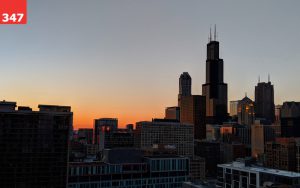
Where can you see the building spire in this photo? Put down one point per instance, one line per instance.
(215, 34)
(258, 78)
(269, 77)
(245, 94)
(210, 34)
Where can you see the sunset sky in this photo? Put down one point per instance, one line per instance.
(123, 58)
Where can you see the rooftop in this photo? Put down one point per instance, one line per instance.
(241, 166)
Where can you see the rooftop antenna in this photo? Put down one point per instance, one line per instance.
(258, 78)
(215, 34)
(245, 94)
(268, 77)
(209, 34)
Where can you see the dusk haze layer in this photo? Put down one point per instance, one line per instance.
(122, 59)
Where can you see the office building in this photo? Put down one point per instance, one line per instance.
(290, 119)
(234, 109)
(185, 86)
(176, 134)
(119, 138)
(246, 111)
(260, 135)
(245, 174)
(232, 151)
(172, 113)
(104, 124)
(34, 145)
(277, 114)
(128, 168)
(192, 111)
(85, 135)
(281, 154)
(264, 101)
(210, 151)
(214, 89)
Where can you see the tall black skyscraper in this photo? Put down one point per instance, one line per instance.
(215, 90)
(264, 101)
(185, 86)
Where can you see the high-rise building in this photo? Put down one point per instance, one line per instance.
(246, 111)
(192, 111)
(34, 145)
(185, 86)
(214, 89)
(264, 101)
(290, 119)
(104, 123)
(172, 113)
(277, 114)
(176, 134)
(260, 135)
(234, 108)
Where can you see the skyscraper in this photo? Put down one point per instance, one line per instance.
(264, 101)
(185, 86)
(246, 111)
(34, 145)
(215, 90)
(192, 111)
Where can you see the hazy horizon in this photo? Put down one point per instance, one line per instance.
(123, 58)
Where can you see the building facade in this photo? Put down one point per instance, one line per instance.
(264, 101)
(104, 124)
(246, 111)
(179, 135)
(244, 174)
(192, 111)
(172, 113)
(34, 145)
(185, 86)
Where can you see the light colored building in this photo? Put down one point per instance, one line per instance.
(260, 135)
(234, 108)
(166, 133)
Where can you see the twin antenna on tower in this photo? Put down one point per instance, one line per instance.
(215, 34)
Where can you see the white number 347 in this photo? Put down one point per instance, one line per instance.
(13, 17)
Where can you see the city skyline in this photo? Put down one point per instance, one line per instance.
(107, 62)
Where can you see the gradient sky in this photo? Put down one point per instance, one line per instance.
(123, 58)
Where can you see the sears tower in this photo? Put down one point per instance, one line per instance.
(215, 90)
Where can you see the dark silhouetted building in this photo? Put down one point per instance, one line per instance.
(192, 111)
(214, 89)
(85, 135)
(34, 145)
(104, 123)
(118, 138)
(264, 101)
(172, 113)
(246, 111)
(290, 119)
(210, 151)
(185, 86)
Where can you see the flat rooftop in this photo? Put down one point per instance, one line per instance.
(241, 167)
